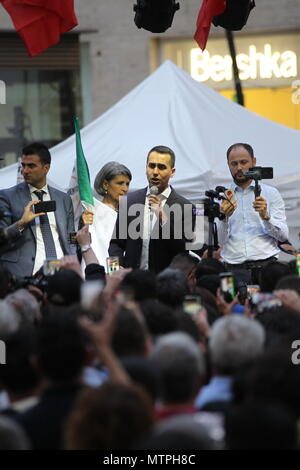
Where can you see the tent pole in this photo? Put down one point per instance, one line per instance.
(237, 82)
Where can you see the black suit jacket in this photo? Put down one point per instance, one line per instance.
(18, 254)
(165, 242)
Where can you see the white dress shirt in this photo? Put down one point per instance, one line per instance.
(148, 224)
(101, 230)
(245, 235)
(40, 254)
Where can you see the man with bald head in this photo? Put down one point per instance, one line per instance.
(253, 226)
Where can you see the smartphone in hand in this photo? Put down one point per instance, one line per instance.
(227, 286)
(50, 266)
(192, 304)
(113, 264)
(45, 206)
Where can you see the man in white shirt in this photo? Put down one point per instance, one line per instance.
(158, 221)
(253, 226)
(31, 238)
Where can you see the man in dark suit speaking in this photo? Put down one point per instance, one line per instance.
(155, 223)
(31, 238)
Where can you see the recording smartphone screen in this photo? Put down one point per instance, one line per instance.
(192, 304)
(50, 266)
(265, 172)
(227, 286)
(89, 291)
(45, 206)
(113, 264)
(262, 301)
(252, 289)
(298, 263)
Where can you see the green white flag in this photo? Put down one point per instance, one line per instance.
(83, 174)
(80, 188)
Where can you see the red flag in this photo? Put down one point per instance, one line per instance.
(40, 23)
(208, 10)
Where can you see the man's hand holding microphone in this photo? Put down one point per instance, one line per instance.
(229, 204)
(155, 205)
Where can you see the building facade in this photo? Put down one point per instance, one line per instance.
(106, 56)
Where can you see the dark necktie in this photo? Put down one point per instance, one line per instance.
(46, 231)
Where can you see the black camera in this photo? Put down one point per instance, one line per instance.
(212, 208)
(259, 173)
(38, 280)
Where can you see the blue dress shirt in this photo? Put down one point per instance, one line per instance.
(245, 235)
(218, 389)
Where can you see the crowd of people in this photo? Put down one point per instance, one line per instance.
(153, 356)
(137, 370)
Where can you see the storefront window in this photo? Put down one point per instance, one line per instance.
(40, 105)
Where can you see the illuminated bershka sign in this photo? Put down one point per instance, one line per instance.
(263, 61)
(254, 65)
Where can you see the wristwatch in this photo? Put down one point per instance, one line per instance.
(20, 227)
(85, 248)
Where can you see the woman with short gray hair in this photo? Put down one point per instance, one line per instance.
(111, 183)
(112, 173)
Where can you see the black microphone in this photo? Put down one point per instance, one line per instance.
(154, 192)
(215, 193)
(220, 189)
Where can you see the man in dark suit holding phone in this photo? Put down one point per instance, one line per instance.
(34, 236)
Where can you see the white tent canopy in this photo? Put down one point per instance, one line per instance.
(170, 108)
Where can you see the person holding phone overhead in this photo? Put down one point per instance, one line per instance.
(111, 183)
(32, 237)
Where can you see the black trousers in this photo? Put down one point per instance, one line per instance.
(249, 271)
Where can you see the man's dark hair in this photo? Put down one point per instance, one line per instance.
(160, 318)
(140, 284)
(63, 287)
(165, 150)
(289, 282)
(210, 282)
(130, 334)
(172, 286)
(184, 262)
(18, 374)
(271, 274)
(37, 148)
(143, 373)
(112, 416)
(209, 266)
(207, 297)
(279, 323)
(271, 378)
(240, 144)
(261, 426)
(187, 324)
(61, 346)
